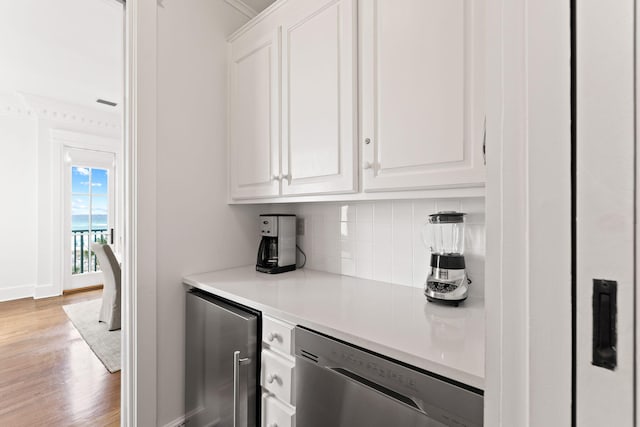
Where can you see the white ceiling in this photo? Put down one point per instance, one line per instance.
(70, 50)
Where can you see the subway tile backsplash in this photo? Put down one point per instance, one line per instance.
(382, 240)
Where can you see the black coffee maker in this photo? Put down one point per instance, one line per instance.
(277, 249)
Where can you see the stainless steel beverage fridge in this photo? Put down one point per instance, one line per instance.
(221, 363)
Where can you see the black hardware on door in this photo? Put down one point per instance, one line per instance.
(604, 323)
(111, 232)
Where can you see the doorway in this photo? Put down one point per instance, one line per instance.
(89, 213)
(63, 85)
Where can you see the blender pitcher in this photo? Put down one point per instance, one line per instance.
(447, 280)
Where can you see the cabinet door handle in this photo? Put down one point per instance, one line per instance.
(273, 425)
(276, 178)
(273, 377)
(484, 142)
(367, 141)
(237, 362)
(287, 177)
(367, 165)
(273, 336)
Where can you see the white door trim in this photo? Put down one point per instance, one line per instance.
(139, 340)
(527, 290)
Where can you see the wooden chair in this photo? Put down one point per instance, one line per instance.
(110, 310)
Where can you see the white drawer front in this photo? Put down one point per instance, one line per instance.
(276, 413)
(277, 334)
(277, 376)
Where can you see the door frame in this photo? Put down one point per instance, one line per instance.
(61, 141)
(527, 286)
(528, 173)
(90, 159)
(139, 334)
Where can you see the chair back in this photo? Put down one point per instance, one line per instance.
(108, 264)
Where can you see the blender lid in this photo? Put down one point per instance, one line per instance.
(446, 217)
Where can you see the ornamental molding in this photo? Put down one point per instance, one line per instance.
(59, 112)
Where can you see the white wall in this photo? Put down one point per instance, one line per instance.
(382, 240)
(18, 187)
(196, 229)
(27, 178)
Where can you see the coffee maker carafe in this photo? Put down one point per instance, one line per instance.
(447, 281)
(277, 249)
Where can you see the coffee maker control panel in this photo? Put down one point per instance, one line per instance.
(269, 226)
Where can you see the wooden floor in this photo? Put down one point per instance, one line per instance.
(48, 374)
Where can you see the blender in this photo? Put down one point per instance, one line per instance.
(447, 280)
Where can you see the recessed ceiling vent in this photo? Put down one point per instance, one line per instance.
(105, 102)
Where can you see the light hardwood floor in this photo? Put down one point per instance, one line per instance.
(48, 374)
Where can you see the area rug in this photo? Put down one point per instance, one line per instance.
(104, 343)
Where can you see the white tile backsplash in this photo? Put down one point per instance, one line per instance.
(383, 240)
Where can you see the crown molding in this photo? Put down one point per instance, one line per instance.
(257, 19)
(59, 111)
(243, 8)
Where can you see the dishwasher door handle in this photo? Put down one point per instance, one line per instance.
(392, 394)
(237, 362)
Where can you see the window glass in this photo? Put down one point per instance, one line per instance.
(99, 181)
(80, 179)
(80, 217)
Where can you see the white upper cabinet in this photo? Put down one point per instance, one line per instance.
(324, 93)
(319, 114)
(422, 92)
(254, 114)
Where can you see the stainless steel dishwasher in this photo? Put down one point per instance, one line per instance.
(340, 385)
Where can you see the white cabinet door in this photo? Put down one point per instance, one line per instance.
(318, 97)
(254, 113)
(422, 76)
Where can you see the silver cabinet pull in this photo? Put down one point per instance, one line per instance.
(367, 165)
(287, 177)
(276, 178)
(273, 377)
(367, 141)
(237, 362)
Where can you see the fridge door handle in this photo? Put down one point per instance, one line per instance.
(237, 362)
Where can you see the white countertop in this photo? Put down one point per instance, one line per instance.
(393, 320)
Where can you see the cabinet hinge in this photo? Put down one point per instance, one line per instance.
(484, 141)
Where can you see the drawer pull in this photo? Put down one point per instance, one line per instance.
(273, 377)
(273, 336)
(273, 425)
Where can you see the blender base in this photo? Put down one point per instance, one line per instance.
(449, 302)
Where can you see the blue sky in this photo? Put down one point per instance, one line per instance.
(80, 179)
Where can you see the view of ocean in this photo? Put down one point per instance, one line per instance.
(81, 222)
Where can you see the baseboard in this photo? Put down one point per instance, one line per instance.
(16, 292)
(83, 289)
(176, 423)
(45, 291)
